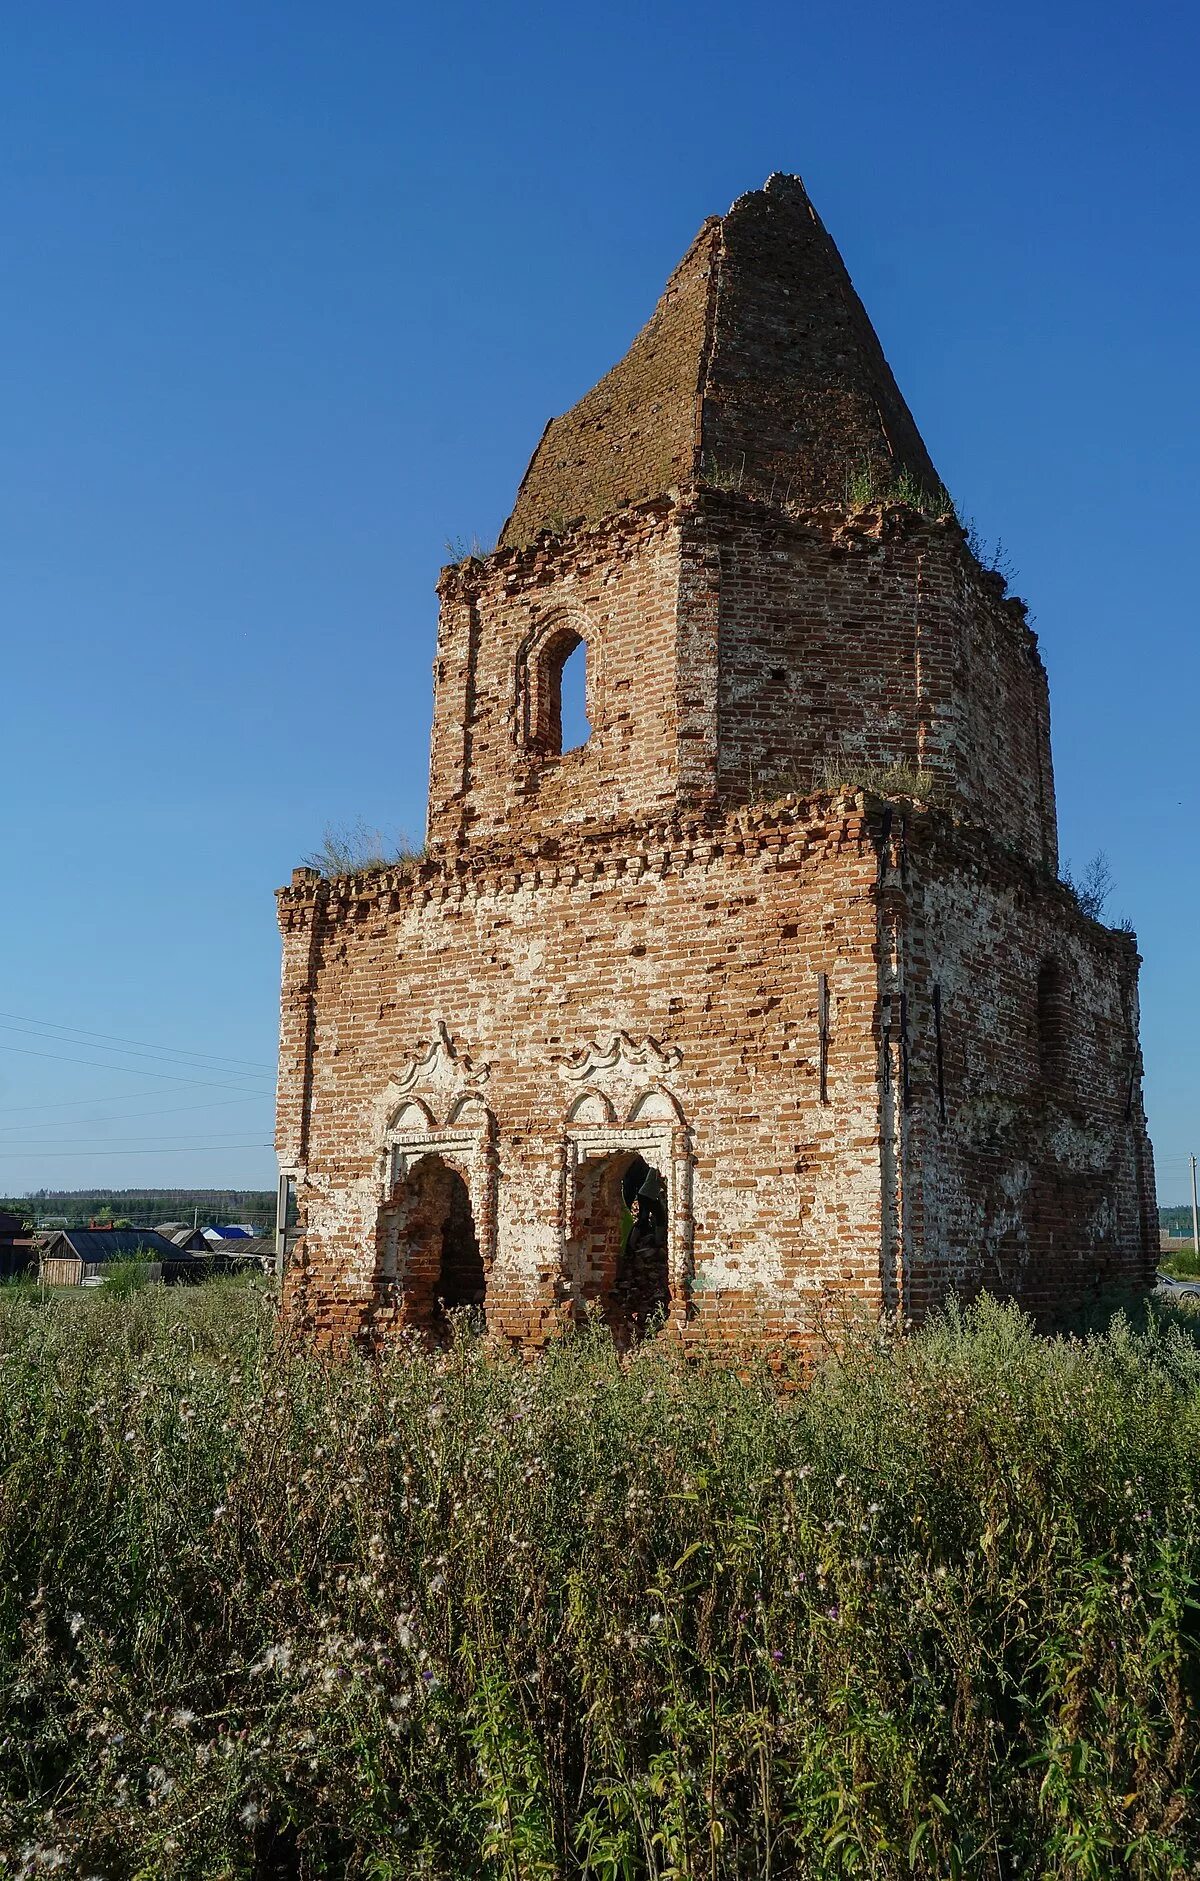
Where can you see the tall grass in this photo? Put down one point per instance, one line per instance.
(357, 849)
(450, 1615)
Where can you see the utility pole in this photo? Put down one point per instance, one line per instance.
(1195, 1231)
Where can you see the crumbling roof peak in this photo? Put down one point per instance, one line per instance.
(758, 366)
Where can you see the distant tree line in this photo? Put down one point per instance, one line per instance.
(143, 1208)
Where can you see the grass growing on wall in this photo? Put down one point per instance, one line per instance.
(451, 1615)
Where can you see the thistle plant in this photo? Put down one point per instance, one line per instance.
(447, 1614)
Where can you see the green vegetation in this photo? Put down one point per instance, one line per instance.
(848, 773)
(452, 1615)
(125, 1277)
(1091, 887)
(356, 849)
(459, 550)
(865, 485)
(723, 474)
(881, 780)
(1182, 1262)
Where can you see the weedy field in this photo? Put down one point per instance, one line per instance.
(449, 1615)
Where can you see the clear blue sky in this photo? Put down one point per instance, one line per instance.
(288, 293)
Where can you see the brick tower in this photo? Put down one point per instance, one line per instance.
(767, 996)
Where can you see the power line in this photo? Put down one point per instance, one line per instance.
(8, 1130)
(126, 1097)
(106, 1143)
(115, 1038)
(125, 1051)
(130, 1071)
(184, 1150)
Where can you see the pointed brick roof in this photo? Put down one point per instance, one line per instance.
(758, 367)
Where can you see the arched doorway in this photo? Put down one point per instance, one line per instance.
(429, 1245)
(620, 1241)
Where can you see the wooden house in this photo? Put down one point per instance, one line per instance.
(74, 1255)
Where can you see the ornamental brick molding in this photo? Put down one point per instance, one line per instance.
(622, 1058)
(441, 1067)
(825, 1045)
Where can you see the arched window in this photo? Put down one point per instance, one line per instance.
(575, 726)
(560, 695)
(1051, 1021)
(427, 1244)
(619, 1241)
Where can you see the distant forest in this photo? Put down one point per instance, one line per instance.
(1176, 1220)
(145, 1208)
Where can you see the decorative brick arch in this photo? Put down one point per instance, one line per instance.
(619, 1104)
(435, 1107)
(536, 717)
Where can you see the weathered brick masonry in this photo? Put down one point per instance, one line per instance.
(866, 1050)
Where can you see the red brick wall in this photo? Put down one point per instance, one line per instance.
(1040, 1181)
(873, 636)
(637, 433)
(616, 587)
(758, 367)
(601, 952)
(798, 397)
(733, 649)
(483, 994)
(706, 940)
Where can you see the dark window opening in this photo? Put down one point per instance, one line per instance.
(428, 1245)
(620, 1243)
(461, 1280)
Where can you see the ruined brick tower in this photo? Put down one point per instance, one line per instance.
(767, 995)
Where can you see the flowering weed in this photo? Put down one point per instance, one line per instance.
(448, 1614)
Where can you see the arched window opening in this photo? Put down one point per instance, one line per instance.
(620, 1242)
(573, 712)
(428, 1246)
(561, 696)
(461, 1280)
(1051, 1020)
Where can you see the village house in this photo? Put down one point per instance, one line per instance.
(17, 1245)
(189, 1240)
(74, 1255)
(767, 997)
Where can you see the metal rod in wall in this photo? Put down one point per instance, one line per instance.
(937, 1039)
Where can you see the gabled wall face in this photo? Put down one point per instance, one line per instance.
(503, 629)
(872, 637)
(526, 1024)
